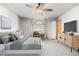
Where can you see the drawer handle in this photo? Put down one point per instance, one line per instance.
(64, 38)
(60, 37)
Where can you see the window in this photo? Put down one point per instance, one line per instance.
(39, 26)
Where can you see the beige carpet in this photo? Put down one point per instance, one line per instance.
(53, 48)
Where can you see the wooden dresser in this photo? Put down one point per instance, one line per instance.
(70, 40)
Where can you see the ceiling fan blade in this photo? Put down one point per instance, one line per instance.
(40, 5)
(47, 9)
(29, 6)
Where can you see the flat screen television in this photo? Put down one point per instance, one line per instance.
(70, 26)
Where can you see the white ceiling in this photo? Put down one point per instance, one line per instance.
(21, 10)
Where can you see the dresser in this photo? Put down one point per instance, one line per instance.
(70, 40)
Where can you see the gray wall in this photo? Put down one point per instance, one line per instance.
(25, 27)
(0, 22)
(20, 24)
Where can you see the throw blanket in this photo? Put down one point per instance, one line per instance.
(26, 44)
(32, 44)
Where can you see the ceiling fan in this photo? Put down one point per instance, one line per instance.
(40, 6)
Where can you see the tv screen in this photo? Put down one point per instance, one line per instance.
(70, 26)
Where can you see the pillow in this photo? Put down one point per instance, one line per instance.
(12, 38)
(16, 37)
(20, 36)
(1, 41)
(5, 39)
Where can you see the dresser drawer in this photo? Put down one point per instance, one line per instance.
(78, 41)
(75, 41)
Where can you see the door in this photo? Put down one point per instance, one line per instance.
(58, 27)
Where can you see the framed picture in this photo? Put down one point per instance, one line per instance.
(5, 23)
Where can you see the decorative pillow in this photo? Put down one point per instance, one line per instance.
(16, 37)
(12, 38)
(1, 41)
(20, 37)
(5, 39)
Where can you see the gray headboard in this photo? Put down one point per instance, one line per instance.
(4, 33)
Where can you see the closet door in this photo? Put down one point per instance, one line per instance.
(58, 27)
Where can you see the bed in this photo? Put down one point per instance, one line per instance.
(30, 46)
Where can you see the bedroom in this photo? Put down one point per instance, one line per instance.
(29, 21)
